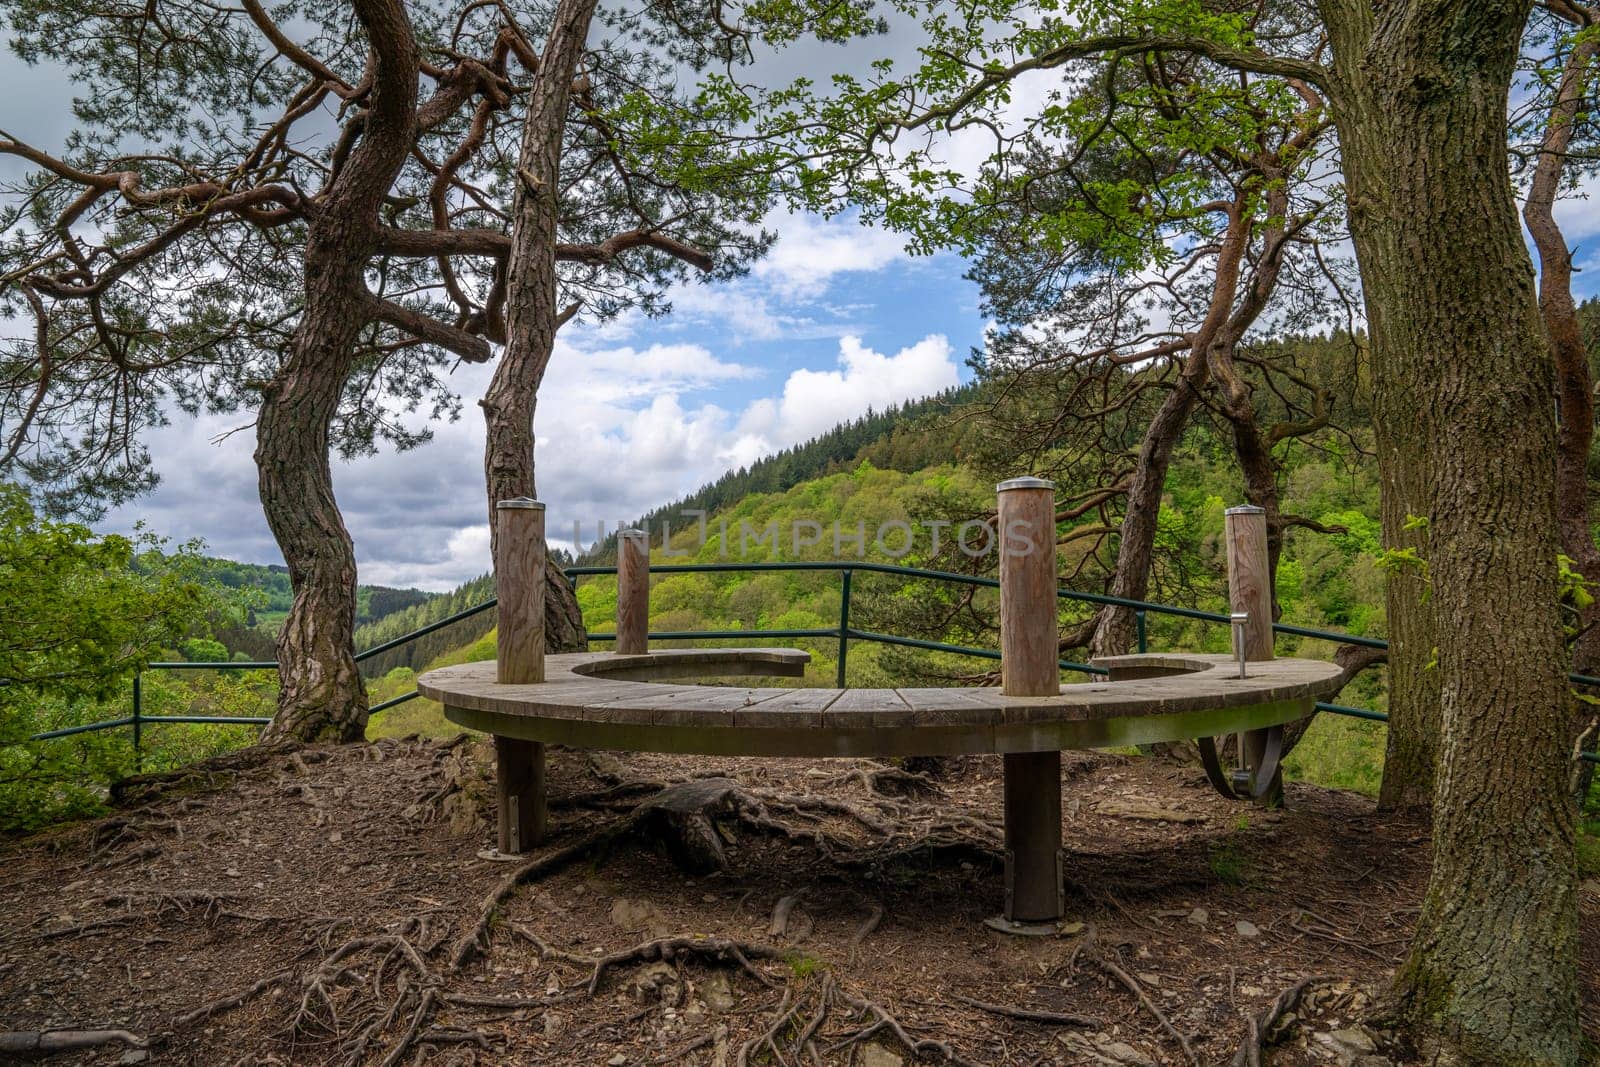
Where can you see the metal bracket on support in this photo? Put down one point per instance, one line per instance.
(1256, 782)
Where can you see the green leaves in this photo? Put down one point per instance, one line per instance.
(83, 611)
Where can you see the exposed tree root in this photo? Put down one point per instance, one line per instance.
(1031, 1015)
(883, 1020)
(1149, 1005)
(37, 1044)
(717, 949)
(205, 1011)
(889, 781)
(208, 774)
(158, 906)
(1259, 1028)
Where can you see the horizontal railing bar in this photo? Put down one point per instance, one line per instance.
(1324, 635)
(86, 728)
(185, 665)
(396, 642)
(720, 635)
(961, 650)
(916, 642)
(222, 720)
(392, 701)
(1354, 713)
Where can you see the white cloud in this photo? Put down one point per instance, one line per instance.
(814, 401)
(811, 250)
(465, 555)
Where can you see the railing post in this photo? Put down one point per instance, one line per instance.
(633, 591)
(1138, 626)
(1250, 591)
(138, 724)
(519, 580)
(844, 627)
(1029, 640)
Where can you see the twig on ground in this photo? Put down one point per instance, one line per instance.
(1149, 1005)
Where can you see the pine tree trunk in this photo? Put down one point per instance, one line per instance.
(321, 696)
(531, 316)
(1463, 381)
(1115, 632)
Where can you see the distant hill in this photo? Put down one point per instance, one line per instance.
(262, 590)
(415, 616)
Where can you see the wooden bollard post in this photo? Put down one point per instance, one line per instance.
(1028, 667)
(633, 591)
(519, 584)
(1250, 590)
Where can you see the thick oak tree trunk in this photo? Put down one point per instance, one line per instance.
(1411, 747)
(1463, 382)
(531, 315)
(321, 696)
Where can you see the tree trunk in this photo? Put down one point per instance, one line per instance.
(321, 696)
(1115, 632)
(1463, 381)
(531, 316)
(1574, 382)
(1411, 747)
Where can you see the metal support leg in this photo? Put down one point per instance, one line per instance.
(519, 786)
(1261, 756)
(1033, 837)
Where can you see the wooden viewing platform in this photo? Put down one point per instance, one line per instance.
(620, 701)
(637, 700)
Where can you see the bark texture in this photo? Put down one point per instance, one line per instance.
(321, 696)
(532, 318)
(1411, 748)
(1463, 379)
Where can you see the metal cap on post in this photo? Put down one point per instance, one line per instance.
(633, 591)
(1029, 657)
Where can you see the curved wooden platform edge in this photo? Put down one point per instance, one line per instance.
(614, 701)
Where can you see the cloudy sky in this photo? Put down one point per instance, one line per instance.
(836, 320)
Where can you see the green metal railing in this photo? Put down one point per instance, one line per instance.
(844, 633)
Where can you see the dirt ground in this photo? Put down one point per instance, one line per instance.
(329, 906)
